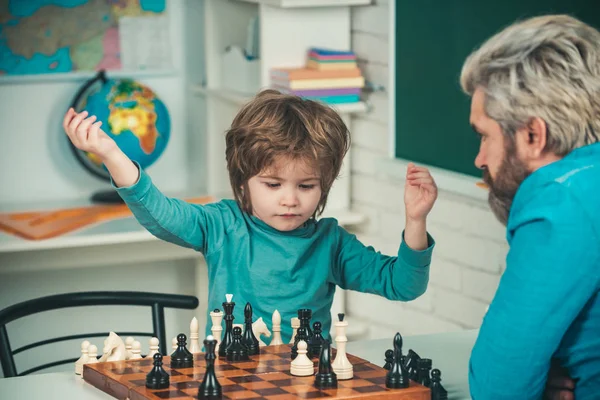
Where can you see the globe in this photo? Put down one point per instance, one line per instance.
(131, 114)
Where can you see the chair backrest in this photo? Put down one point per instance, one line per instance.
(156, 301)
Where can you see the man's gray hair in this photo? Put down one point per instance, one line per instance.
(547, 67)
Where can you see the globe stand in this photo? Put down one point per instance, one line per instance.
(107, 197)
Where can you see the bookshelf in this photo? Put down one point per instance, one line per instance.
(288, 28)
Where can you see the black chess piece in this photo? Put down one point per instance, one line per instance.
(249, 339)
(316, 341)
(237, 351)
(304, 315)
(300, 335)
(412, 360)
(181, 356)
(389, 359)
(228, 335)
(423, 368)
(210, 388)
(437, 390)
(157, 378)
(397, 376)
(325, 377)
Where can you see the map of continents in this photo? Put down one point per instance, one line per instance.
(49, 36)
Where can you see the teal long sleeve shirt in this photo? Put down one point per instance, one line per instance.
(547, 304)
(276, 270)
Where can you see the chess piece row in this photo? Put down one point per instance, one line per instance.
(402, 368)
(114, 349)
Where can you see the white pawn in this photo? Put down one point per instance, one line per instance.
(276, 319)
(341, 366)
(194, 346)
(295, 326)
(128, 342)
(216, 329)
(302, 365)
(83, 359)
(153, 345)
(92, 354)
(174, 343)
(136, 350)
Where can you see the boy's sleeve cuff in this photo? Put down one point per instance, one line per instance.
(417, 258)
(138, 189)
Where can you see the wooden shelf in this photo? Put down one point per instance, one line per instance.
(241, 99)
(309, 3)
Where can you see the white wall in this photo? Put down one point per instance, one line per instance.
(471, 248)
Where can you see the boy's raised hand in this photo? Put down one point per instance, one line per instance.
(85, 134)
(420, 192)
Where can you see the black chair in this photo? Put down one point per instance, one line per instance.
(156, 301)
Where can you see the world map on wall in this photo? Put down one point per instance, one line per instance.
(53, 36)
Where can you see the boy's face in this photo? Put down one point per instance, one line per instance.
(285, 195)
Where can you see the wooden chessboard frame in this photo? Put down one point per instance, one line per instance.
(265, 377)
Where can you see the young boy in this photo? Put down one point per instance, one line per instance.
(267, 247)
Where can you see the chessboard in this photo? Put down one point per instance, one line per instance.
(265, 377)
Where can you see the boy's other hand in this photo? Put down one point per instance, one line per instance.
(420, 193)
(85, 134)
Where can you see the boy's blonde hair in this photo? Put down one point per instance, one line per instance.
(273, 125)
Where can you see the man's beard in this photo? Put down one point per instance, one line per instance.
(503, 188)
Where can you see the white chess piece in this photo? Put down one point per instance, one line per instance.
(194, 346)
(174, 343)
(136, 350)
(302, 365)
(341, 366)
(260, 328)
(276, 320)
(114, 348)
(153, 346)
(92, 354)
(217, 317)
(295, 326)
(83, 359)
(128, 342)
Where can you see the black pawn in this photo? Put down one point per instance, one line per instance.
(316, 341)
(423, 368)
(300, 335)
(397, 377)
(249, 339)
(325, 378)
(181, 357)
(210, 388)
(389, 359)
(237, 351)
(228, 335)
(157, 378)
(437, 390)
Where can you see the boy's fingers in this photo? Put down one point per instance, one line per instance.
(413, 175)
(93, 134)
(83, 128)
(67, 118)
(76, 121)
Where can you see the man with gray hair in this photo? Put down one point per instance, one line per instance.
(535, 104)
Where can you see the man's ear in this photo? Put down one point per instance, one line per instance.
(533, 138)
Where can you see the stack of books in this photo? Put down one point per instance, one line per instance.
(329, 76)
